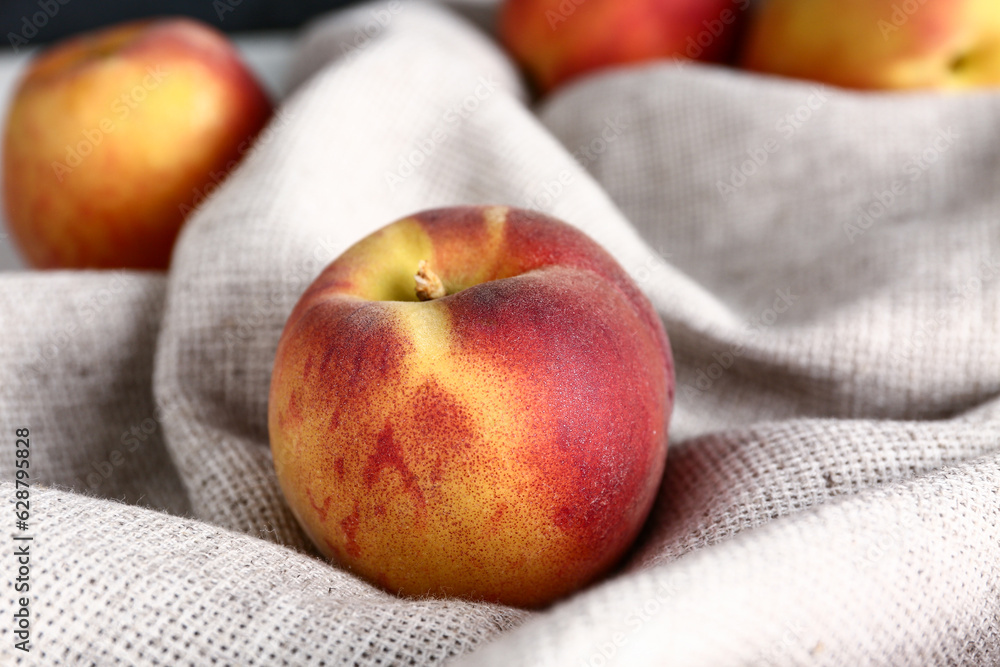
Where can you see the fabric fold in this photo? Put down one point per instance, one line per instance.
(826, 263)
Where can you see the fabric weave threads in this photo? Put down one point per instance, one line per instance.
(827, 264)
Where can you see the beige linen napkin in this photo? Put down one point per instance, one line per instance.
(827, 265)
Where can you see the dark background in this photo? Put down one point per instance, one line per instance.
(55, 19)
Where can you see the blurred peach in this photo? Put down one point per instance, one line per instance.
(112, 137)
(558, 40)
(879, 44)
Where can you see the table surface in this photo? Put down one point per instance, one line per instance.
(268, 54)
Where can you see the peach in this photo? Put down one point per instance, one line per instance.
(879, 44)
(559, 40)
(472, 402)
(112, 137)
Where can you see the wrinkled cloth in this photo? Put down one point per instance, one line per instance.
(827, 266)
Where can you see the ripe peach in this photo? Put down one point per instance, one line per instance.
(879, 44)
(558, 40)
(472, 402)
(113, 136)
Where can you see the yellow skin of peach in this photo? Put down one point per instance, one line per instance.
(879, 44)
(113, 137)
(503, 442)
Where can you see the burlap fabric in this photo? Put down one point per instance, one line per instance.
(827, 265)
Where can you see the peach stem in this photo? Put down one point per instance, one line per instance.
(429, 286)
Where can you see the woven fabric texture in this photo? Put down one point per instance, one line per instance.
(826, 263)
